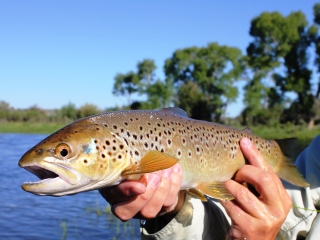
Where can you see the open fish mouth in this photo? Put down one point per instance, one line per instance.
(41, 173)
(53, 178)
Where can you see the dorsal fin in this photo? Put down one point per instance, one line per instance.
(247, 130)
(175, 111)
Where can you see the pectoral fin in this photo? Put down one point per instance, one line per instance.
(151, 162)
(215, 190)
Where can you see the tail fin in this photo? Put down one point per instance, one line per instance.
(288, 171)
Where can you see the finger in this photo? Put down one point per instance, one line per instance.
(238, 217)
(246, 200)
(154, 206)
(127, 210)
(124, 191)
(256, 159)
(252, 154)
(265, 183)
(176, 180)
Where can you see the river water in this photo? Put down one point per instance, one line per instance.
(27, 216)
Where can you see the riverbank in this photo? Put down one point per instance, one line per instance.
(23, 127)
(303, 135)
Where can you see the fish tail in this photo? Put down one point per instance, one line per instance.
(288, 171)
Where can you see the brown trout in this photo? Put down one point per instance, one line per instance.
(103, 150)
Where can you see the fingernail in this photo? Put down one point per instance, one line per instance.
(167, 172)
(176, 168)
(154, 179)
(246, 142)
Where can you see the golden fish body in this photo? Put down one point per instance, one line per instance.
(102, 150)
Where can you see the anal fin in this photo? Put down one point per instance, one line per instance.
(215, 190)
(197, 194)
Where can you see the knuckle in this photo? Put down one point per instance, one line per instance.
(122, 214)
(148, 213)
(266, 178)
(145, 197)
(242, 193)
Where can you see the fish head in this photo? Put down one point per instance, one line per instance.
(77, 158)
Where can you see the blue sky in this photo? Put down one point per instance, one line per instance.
(56, 52)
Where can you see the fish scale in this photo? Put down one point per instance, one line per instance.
(107, 148)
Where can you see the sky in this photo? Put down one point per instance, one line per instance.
(57, 52)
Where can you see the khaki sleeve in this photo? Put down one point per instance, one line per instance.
(303, 220)
(195, 220)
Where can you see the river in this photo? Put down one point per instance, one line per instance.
(27, 216)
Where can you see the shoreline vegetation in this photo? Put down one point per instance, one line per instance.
(302, 133)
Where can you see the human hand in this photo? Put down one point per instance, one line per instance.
(155, 194)
(256, 217)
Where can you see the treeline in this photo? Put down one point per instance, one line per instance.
(276, 72)
(65, 114)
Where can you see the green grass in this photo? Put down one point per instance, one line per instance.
(23, 127)
(303, 134)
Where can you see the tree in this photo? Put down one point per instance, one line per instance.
(146, 70)
(213, 70)
(158, 93)
(126, 85)
(88, 110)
(69, 112)
(279, 40)
(5, 110)
(316, 13)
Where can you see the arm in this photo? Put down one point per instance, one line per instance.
(153, 196)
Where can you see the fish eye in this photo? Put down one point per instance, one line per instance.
(63, 150)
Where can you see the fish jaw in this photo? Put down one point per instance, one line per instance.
(56, 178)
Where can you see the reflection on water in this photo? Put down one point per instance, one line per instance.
(27, 216)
